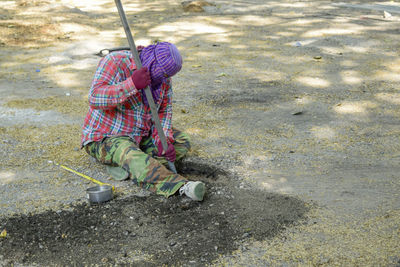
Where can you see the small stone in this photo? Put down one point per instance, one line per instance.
(386, 14)
(245, 235)
(195, 6)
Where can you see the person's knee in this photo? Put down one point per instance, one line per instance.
(98, 152)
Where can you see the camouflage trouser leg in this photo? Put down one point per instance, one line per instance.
(182, 146)
(144, 170)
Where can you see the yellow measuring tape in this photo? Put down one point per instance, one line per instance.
(84, 176)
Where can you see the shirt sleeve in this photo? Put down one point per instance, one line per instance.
(108, 89)
(165, 115)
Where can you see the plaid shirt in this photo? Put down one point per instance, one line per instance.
(116, 107)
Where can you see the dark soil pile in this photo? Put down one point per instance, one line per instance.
(150, 230)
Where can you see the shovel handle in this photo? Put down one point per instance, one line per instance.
(149, 96)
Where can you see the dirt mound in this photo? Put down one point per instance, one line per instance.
(150, 230)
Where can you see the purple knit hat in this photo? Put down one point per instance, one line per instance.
(163, 60)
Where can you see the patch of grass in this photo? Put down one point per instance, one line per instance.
(37, 145)
(65, 105)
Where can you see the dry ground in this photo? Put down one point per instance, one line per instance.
(292, 106)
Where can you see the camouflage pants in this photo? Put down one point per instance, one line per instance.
(144, 167)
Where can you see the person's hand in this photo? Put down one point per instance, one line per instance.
(141, 78)
(170, 154)
(139, 48)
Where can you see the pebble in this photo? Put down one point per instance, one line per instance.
(245, 235)
(386, 14)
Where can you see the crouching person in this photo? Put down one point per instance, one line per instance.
(118, 130)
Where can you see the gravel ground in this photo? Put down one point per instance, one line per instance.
(297, 101)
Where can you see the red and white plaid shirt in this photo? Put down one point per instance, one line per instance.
(116, 107)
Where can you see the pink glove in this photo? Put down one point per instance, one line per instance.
(139, 48)
(170, 154)
(141, 78)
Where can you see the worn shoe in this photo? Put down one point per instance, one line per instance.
(194, 190)
(118, 173)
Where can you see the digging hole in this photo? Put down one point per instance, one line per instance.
(199, 167)
(152, 230)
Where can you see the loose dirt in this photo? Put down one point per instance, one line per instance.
(151, 230)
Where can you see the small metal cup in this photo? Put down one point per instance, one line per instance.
(99, 193)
